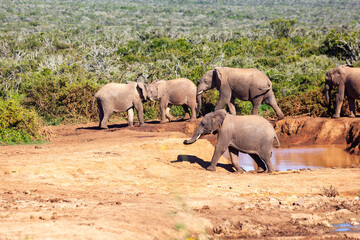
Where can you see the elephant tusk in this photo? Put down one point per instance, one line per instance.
(198, 137)
(200, 92)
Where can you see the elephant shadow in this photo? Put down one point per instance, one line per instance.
(193, 159)
(112, 127)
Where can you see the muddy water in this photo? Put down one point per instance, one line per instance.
(285, 158)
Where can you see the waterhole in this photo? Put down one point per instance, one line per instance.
(285, 158)
(346, 227)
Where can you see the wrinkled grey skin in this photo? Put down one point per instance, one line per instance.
(247, 134)
(181, 92)
(347, 80)
(244, 84)
(116, 97)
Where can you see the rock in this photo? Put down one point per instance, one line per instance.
(326, 224)
(355, 223)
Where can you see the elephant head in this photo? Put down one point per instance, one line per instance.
(210, 80)
(155, 90)
(333, 78)
(211, 123)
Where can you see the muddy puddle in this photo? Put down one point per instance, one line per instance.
(312, 157)
(346, 227)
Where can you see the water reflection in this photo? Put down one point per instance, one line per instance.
(346, 227)
(285, 158)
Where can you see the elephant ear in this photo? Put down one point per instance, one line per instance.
(161, 88)
(338, 75)
(141, 87)
(217, 120)
(218, 77)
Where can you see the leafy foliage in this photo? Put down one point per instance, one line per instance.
(17, 125)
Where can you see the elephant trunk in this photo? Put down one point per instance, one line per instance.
(199, 103)
(327, 96)
(195, 137)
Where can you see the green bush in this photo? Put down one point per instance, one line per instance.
(17, 124)
(56, 99)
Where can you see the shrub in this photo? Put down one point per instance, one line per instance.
(56, 99)
(17, 124)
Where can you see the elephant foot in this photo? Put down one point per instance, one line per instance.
(335, 116)
(281, 117)
(352, 115)
(260, 170)
(142, 124)
(162, 122)
(104, 127)
(239, 171)
(211, 168)
(130, 125)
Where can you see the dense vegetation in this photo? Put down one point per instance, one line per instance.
(55, 54)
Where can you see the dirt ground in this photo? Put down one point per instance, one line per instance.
(143, 183)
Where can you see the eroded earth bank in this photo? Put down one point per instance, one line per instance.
(143, 183)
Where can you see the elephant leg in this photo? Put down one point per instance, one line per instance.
(220, 149)
(193, 112)
(234, 156)
(260, 165)
(352, 107)
(266, 156)
(270, 100)
(105, 119)
(101, 112)
(186, 110)
(140, 113)
(130, 112)
(163, 109)
(339, 101)
(224, 99)
(168, 115)
(256, 103)
(231, 106)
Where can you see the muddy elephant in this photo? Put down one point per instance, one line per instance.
(116, 97)
(347, 81)
(253, 135)
(244, 84)
(181, 92)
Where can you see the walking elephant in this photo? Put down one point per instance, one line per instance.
(248, 134)
(244, 84)
(181, 92)
(347, 81)
(116, 97)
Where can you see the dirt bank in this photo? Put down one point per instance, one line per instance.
(143, 183)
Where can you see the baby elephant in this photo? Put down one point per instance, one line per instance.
(248, 134)
(116, 97)
(181, 92)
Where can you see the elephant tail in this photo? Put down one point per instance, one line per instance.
(199, 104)
(93, 103)
(277, 140)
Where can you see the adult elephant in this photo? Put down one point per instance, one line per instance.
(248, 134)
(347, 81)
(181, 92)
(244, 84)
(116, 97)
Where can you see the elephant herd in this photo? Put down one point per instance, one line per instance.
(248, 134)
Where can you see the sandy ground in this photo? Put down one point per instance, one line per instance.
(143, 183)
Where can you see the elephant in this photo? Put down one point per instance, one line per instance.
(249, 134)
(117, 97)
(179, 91)
(244, 84)
(347, 81)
